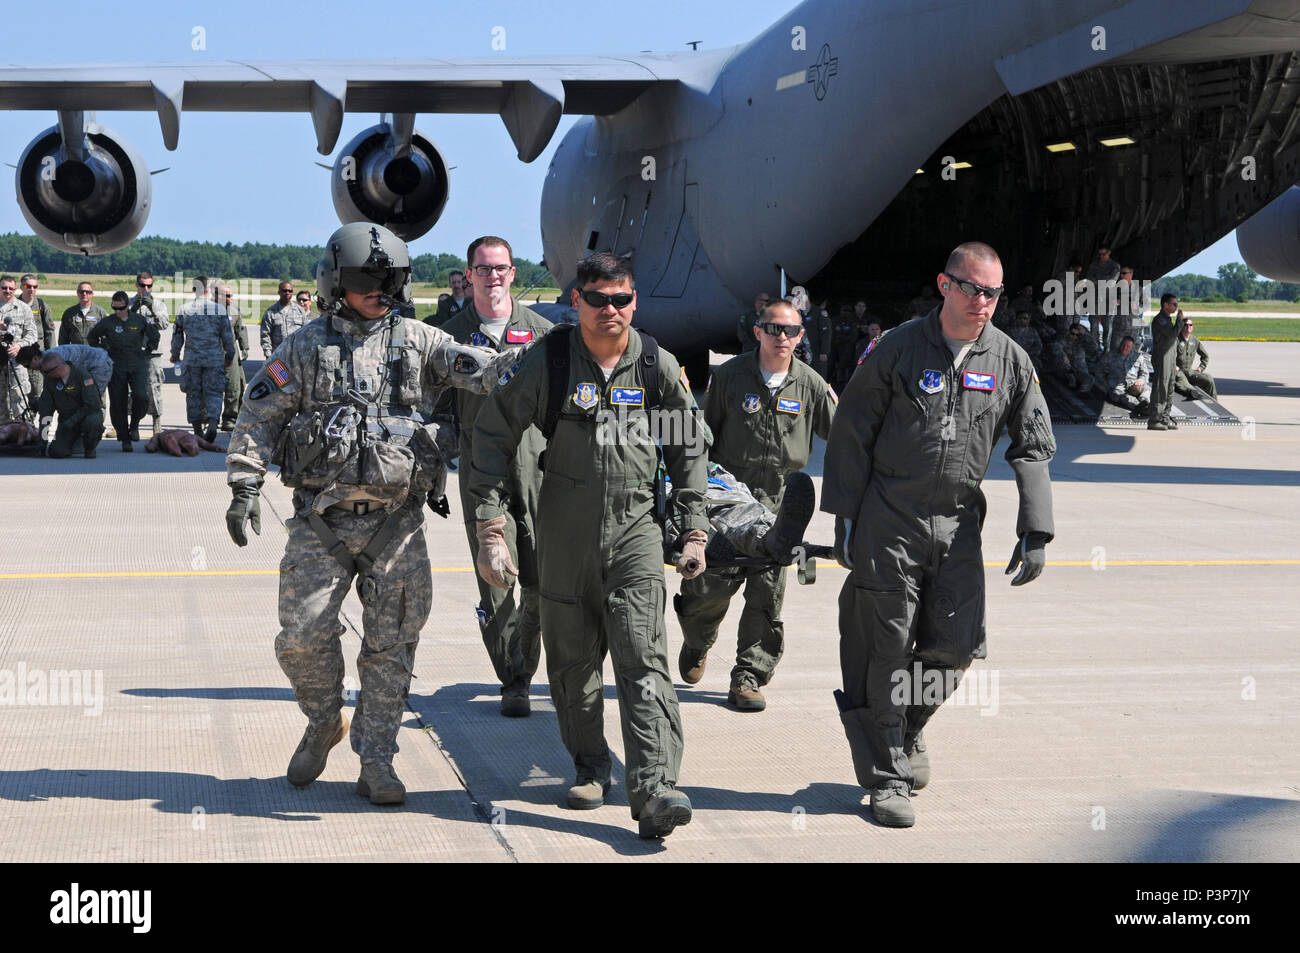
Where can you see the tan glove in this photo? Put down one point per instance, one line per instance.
(494, 563)
(691, 562)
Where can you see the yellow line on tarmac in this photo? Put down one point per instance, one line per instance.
(826, 562)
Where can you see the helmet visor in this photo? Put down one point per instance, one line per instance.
(365, 280)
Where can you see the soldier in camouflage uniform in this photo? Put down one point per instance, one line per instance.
(81, 317)
(1029, 339)
(281, 319)
(209, 350)
(1123, 374)
(236, 380)
(17, 319)
(93, 360)
(344, 407)
(27, 285)
(153, 310)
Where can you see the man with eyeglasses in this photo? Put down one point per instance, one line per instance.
(1193, 381)
(129, 339)
(745, 326)
(599, 547)
(81, 317)
(203, 330)
(763, 409)
(18, 323)
(46, 332)
(912, 440)
(511, 630)
(153, 310)
(281, 319)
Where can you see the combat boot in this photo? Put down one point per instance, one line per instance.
(891, 804)
(690, 663)
(309, 760)
(126, 446)
(792, 519)
(380, 784)
(135, 431)
(211, 434)
(662, 813)
(1156, 424)
(198, 428)
(588, 794)
(919, 759)
(1169, 422)
(514, 699)
(745, 696)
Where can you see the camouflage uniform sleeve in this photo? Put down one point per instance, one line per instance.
(852, 441)
(27, 332)
(498, 428)
(687, 461)
(274, 395)
(475, 369)
(178, 337)
(264, 334)
(1032, 446)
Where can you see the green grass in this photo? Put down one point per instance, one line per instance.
(1284, 307)
(1248, 329)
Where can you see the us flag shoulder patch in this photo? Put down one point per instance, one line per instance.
(278, 372)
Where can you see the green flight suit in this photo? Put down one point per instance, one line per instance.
(1188, 374)
(128, 342)
(600, 551)
(761, 437)
(511, 634)
(80, 407)
(1164, 365)
(236, 380)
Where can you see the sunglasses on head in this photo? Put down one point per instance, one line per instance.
(776, 330)
(598, 299)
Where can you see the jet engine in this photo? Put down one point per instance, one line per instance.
(1269, 240)
(390, 174)
(90, 199)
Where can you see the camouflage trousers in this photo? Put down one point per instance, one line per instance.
(396, 597)
(156, 378)
(16, 384)
(205, 390)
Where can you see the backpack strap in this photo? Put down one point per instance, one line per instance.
(556, 342)
(650, 369)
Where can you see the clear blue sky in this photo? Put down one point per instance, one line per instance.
(252, 177)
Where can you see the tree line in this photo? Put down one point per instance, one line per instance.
(164, 256)
(1235, 282)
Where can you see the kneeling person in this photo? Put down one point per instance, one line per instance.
(74, 395)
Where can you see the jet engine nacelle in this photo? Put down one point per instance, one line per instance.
(1269, 240)
(87, 201)
(379, 178)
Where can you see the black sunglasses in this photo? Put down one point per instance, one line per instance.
(776, 330)
(598, 299)
(970, 289)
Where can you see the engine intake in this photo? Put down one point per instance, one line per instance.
(89, 204)
(377, 178)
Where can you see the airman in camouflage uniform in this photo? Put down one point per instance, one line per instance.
(19, 321)
(93, 360)
(27, 286)
(1124, 374)
(203, 330)
(344, 408)
(281, 319)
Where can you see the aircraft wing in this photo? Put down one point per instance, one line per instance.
(1156, 32)
(530, 94)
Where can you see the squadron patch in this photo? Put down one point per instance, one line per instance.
(504, 379)
(585, 397)
(750, 404)
(465, 364)
(627, 396)
(278, 372)
(788, 405)
(973, 380)
(518, 335)
(931, 381)
(259, 390)
(478, 339)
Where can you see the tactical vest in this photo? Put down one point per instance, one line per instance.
(382, 439)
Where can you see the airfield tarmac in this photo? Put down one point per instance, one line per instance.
(1140, 701)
